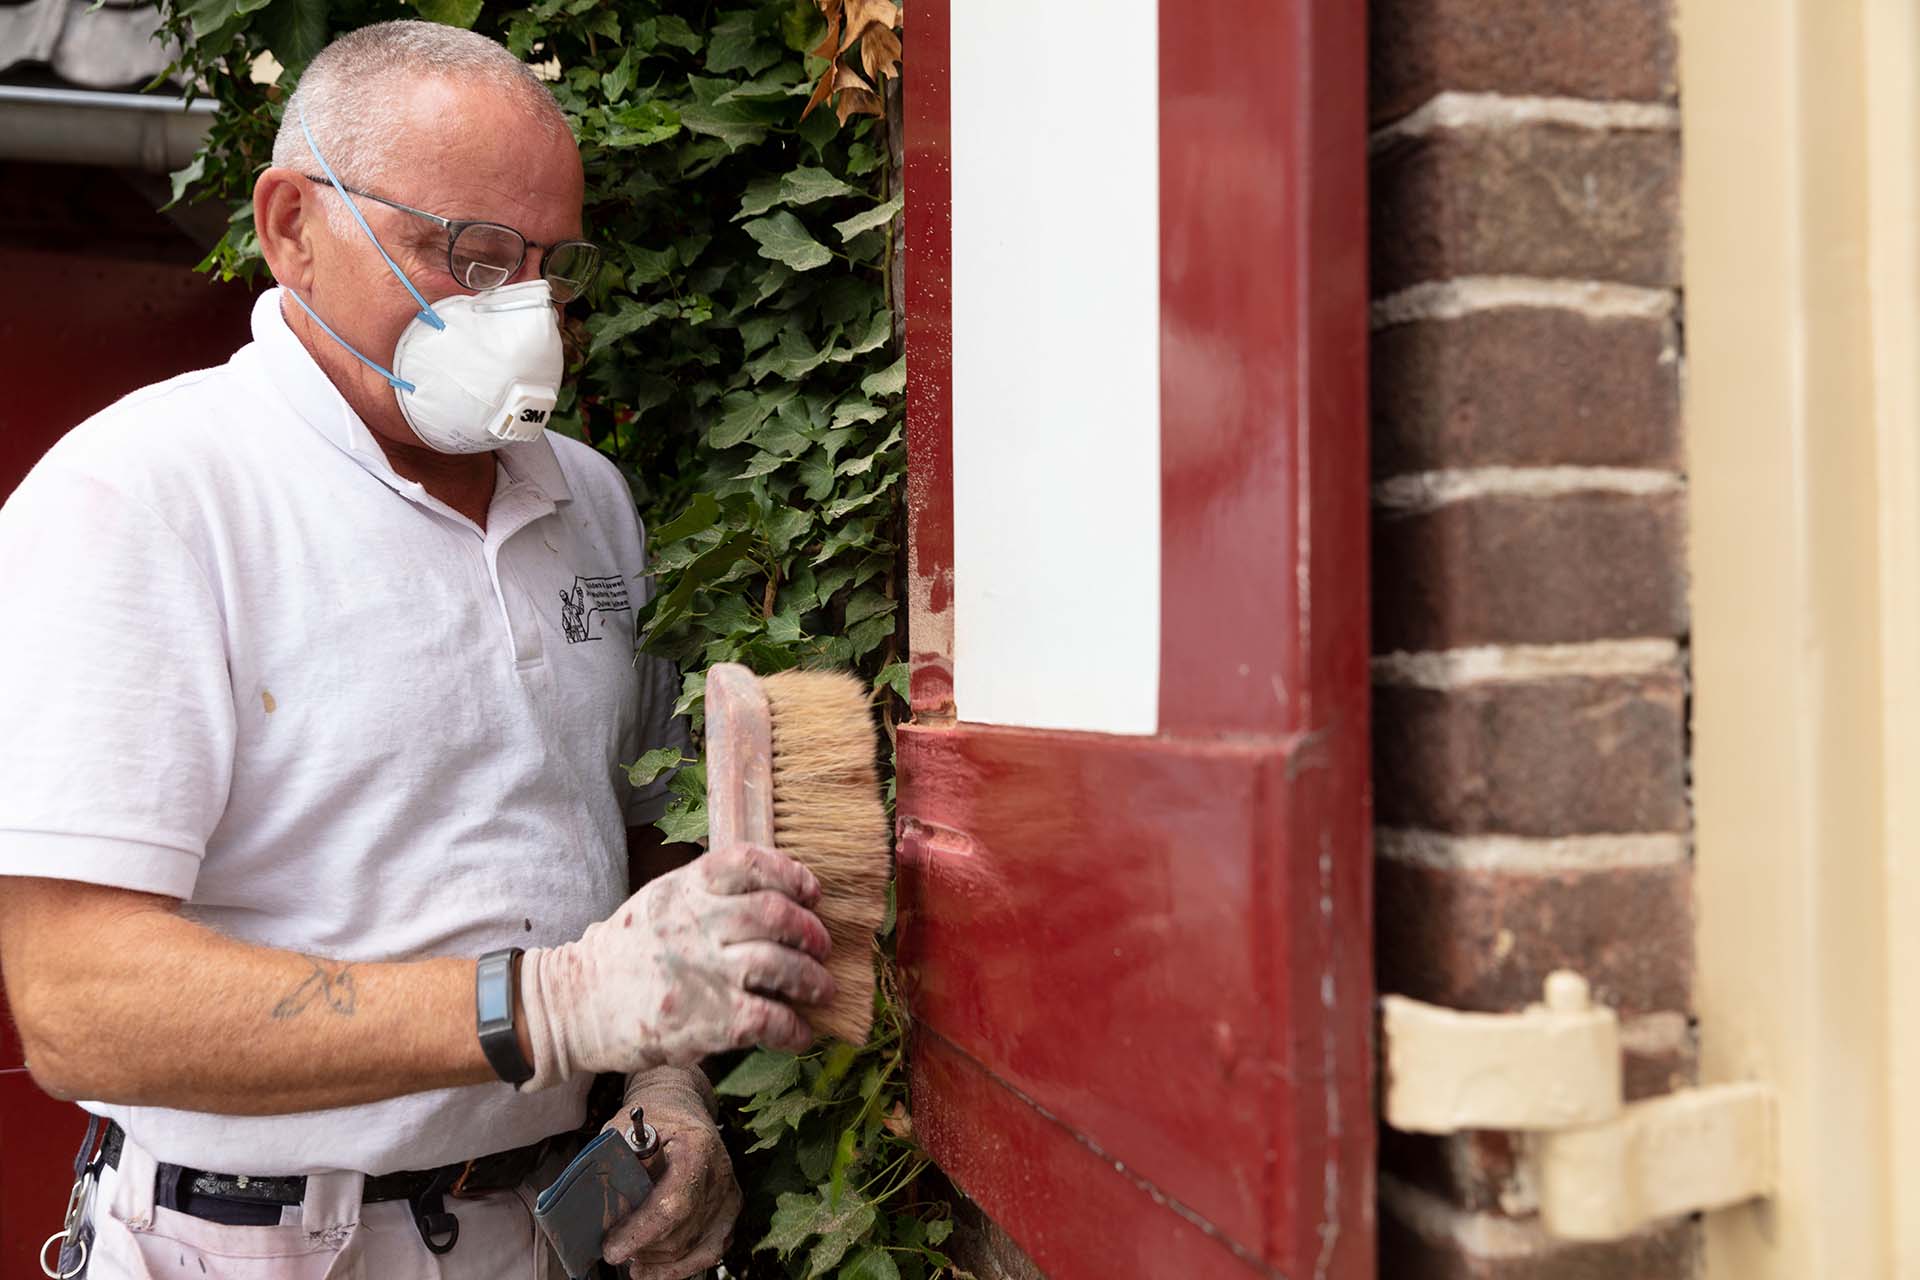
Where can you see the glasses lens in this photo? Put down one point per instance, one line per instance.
(486, 254)
(569, 268)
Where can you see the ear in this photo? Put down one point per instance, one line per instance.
(286, 219)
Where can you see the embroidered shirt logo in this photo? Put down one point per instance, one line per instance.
(588, 603)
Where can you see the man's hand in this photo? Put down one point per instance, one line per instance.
(683, 1226)
(697, 962)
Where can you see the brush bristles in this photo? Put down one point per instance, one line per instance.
(827, 814)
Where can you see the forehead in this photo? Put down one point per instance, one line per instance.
(475, 152)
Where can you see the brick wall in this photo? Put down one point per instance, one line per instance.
(1529, 581)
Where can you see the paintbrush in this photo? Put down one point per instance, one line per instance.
(791, 764)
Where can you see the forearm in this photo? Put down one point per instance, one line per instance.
(164, 1012)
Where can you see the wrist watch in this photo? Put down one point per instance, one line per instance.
(494, 984)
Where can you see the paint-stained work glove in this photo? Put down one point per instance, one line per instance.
(683, 1226)
(688, 966)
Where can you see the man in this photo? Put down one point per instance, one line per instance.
(311, 750)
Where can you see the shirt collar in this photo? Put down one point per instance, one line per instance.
(316, 401)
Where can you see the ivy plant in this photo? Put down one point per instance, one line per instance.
(737, 358)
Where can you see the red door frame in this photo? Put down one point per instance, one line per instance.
(1140, 968)
(84, 328)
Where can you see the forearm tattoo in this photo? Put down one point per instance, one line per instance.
(330, 984)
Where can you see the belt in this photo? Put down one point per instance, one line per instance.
(423, 1188)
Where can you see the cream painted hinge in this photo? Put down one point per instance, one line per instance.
(1603, 1167)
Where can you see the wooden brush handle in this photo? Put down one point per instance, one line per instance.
(739, 759)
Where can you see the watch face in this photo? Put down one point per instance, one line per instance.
(494, 993)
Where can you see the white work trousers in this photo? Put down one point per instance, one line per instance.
(331, 1235)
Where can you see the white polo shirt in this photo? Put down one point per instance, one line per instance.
(244, 664)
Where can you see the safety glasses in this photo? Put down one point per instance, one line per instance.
(483, 255)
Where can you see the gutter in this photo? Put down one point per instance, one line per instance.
(81, 126)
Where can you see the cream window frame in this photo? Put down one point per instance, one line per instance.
(1801, 123)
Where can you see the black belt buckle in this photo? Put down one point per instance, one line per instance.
(430, 1214)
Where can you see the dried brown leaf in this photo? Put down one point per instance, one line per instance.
(820, 91)
(856, 98)
(880, 52)
(829, 46)
(863, 13)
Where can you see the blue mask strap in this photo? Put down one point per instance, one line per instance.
(397, 383)
(426, 309)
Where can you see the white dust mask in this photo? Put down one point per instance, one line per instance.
(471, 372)
(488, 375)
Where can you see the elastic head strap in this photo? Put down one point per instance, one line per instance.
(426, 308)
(393, 380)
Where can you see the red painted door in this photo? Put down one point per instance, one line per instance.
(1139, 962)
(99, 323)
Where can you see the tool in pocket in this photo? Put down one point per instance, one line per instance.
(602, 1185)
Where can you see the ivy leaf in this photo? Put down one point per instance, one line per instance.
(814, 1151)
(452, 13)
(808, 184)
(208, 16)
(784, 238)
(879, 329)
(649, 265)
(643, 771)
(890, 381)
(762, 1071)
(804, 185)
(738, 124)
(758, 331)
(675, 31)
(859, 466)
(939, 1229)
(628, 318)
(871, 1263)
(794, 1220)
(740, 413)
(185, 178)
(838, 1227)
(865, 604)
(852, 411)
(866, 636)
(617, 81)
(604, 22)
(772, 1120)
(878, 216)
(295, 30)
(895, 676)
(786, 524)
(700, 515)
(684, 822)
(641, 125)
(784, 628)
(732, 46)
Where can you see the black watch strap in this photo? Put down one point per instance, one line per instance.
(494, 985)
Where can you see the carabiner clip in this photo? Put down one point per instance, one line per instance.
(78, 1201)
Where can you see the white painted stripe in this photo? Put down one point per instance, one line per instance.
(1529, 855)
(1426, 490)
(1456, 110)
(1507, 664)
(1468, 295)
(1056, 366)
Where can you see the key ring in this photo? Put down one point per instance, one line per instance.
(51, 1272)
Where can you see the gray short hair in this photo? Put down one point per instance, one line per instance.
(349, 97)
